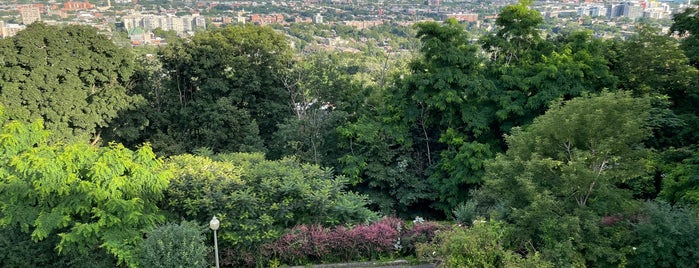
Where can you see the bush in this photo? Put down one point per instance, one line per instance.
(306, 244)
(175, 245)
(666, 237)
(419, 233)
(257, 200)
(482, 245)
(465, 213)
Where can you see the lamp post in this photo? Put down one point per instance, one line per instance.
(214, 224)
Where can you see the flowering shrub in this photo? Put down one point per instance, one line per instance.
(314, 244)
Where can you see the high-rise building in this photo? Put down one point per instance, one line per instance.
(30, 14)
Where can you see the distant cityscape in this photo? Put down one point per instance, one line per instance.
(139, 18)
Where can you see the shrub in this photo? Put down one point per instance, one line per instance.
(175, 245)
(419, 233)
(482, 245)
(465, 213)
(306, 244)
(258, 199)
(666, 237)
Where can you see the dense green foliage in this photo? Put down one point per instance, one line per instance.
(72, 78)
(174, 245)
(574, 150)
(666, 236)
(566, 171)
(221, 91)
(686, 24)
(89, 197)
(257, 199)
(483, 245)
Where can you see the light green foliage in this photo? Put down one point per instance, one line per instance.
(564, 172)
(90, 197)
(482, 245)
(666, 236)
(175, 246)
(257, 199)
(71, 77)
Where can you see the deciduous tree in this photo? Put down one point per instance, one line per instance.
(71, 77)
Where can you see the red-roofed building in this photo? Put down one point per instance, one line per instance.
(266, 19)
(75, 6)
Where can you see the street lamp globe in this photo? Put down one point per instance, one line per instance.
(214, 223)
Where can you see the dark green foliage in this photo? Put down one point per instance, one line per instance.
(257, 199)
(326, 90)
(686, 24)
(72, 78)
(17, 249)
(666, 236)
(175, 245)
(649, 63)
(222, 91)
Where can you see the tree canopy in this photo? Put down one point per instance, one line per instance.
(71, 77)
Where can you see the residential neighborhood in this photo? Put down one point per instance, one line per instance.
(138, 18)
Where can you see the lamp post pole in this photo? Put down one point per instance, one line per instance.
(214, 224)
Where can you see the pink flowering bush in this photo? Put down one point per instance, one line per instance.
(316, 244)
(306, 244)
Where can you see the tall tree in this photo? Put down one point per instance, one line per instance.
(686, 24)
(649, 63)
(566, 171)
(326, 89)
(223, 92)
(71, 77)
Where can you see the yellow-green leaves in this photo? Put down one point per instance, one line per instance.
(89, 196)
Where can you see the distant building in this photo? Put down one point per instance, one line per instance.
(266, 19)
(630, 10)
(362, 24)
(241, 17)
(71, 6)
(318, 18)
(471, 17)
(433, 2)
(30, 14)
(149, 22)
(139, 36)
(9, 29)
